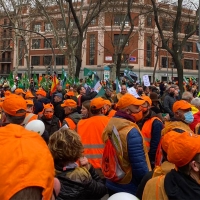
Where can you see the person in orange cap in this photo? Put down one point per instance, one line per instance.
(134, 150)
(32, 175)
(182, 118)
(51, 122)
(20, 92)
(72, 116)
(29, 95)
(41, 100)
(29, 113)
(90, 131)
(108, 111)
(71, 95)
(151, 127)
(184, 182)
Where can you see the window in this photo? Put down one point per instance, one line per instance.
(93, 22)
(120, 19)
(119, 39)
(60, 60)
(125, 58)
(62, 41)
(166, 25)
(149, 52)
(166, 41)
(47, 60)
(48, 43)
(37, 27)
(197, 64)
(35, 60)
(149, 21)
(92, 50)
(164, 62)
(35, 43)
(189, 47)
(188, 64)
(47, 27)
(188, 28)
(61, 25)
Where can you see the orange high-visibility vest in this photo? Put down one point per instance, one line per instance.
(70, 123)
(111, 113)
(146, 131)
(90, 131)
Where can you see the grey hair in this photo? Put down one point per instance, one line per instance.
(196, 102)
(187, 95)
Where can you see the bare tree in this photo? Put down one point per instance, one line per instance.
(168, 19)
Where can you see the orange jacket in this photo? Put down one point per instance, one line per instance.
(146, 131)
(70, 123)
(90, 131)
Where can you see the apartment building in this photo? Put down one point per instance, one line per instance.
(140, 53)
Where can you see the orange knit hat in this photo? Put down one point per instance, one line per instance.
(69, 103)
(35, 166)
(14, 103)
(183, 149)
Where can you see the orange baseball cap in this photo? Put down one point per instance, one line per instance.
(13, 103)
(19, 91)
(29, 102)
(167, 138)
(7, 93)
(181, 104)
(48, 105)
(29, 95)
(35, 166)
(41, 92)
(97, 103)
(147, 99)
(69, 103)
(70, 93)
(127, 100)
(183, 149)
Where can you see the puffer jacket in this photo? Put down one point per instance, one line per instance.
(136, 157)
(79, 183)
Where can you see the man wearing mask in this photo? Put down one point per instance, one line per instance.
(169, 101)
(182, 118)
(135, 157)
(140, 90)
(51, 122)
(151, 127)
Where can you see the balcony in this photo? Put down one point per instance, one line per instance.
(5, 60)
(6, 36)
(5, 48)
(4, 72)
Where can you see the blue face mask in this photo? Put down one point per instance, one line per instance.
(189, 118)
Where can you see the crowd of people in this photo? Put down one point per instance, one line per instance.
(155, 153)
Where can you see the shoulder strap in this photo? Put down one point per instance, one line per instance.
(27, 118)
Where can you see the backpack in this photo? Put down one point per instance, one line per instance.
(110, 163)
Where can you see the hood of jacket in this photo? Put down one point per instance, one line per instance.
(180, 186)
(75, 116)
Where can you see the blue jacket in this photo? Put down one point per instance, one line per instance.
(138, 164)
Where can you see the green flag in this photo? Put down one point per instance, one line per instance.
(10, 79)
(88, 72)
(101, 92)
(63, 74)
(35, 79)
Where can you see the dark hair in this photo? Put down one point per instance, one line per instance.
(29, 106)
(95, 111)
(86, 104)
(31, 193)
(79, 89)
(16, 119)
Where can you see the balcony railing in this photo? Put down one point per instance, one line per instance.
(8, 60)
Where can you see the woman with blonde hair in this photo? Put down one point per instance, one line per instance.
(77, 182)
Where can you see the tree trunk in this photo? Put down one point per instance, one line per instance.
(78, 66)
(78, 56)
(118, 66)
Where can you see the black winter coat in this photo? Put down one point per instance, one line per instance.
(81, 185)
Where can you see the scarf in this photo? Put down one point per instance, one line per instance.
(180, 186)
(122, 114)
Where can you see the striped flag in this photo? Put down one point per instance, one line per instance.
(55, 82)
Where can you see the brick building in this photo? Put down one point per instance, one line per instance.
(139, 54)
